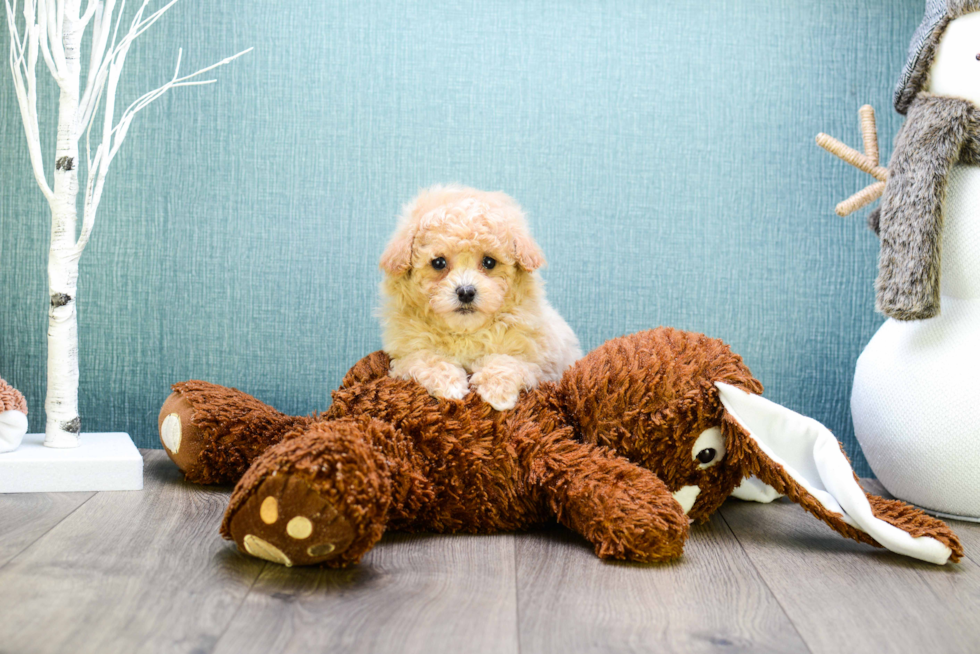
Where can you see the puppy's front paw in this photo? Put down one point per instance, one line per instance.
(452, 385)
(440, 377)
(497, 388)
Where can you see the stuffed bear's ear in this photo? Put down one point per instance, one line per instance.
(800, 458)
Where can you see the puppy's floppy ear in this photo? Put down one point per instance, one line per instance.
(397, 257)
(527, 254)
(800, 458)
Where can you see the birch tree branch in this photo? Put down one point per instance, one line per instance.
(102, 62)
(51, 34)
(89, 12)
(42, 27)
(23, 66)
(114, 135)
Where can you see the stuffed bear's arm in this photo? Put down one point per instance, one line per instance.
(372, 367)
(213, 433)
(624, 510)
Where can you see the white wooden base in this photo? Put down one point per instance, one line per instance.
(103, 462)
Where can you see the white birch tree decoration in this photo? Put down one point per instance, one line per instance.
(54, 29)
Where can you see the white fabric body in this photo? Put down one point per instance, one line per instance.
(915, 396)
(13, 426)
(914, 405)
(813, 458)
(954, 69)
(961, 231)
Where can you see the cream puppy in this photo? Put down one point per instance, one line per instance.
(461, 297)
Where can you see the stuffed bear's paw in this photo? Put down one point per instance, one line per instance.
(440, 377)
(182, 440)
(287, 522)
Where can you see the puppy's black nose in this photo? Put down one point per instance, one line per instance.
(466, 294)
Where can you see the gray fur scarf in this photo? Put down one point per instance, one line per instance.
(937, 133)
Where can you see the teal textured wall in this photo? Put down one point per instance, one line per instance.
(664, 153)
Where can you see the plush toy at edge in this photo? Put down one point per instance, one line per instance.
(13, 417)
(634, 443)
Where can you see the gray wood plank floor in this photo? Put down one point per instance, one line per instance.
(147, 572)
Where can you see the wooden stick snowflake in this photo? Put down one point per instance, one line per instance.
(868, 162)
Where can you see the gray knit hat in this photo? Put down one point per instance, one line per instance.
(922, 49)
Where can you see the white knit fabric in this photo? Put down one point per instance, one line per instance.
(961, 233)
(916, 387)
(915, 407)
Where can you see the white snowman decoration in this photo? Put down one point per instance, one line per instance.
(916, 394)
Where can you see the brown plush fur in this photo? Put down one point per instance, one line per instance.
(344, 463)
(650, 396)
(11, 399)
(234, 429)
(938, 133)
(387, 455)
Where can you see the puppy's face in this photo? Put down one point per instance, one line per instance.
(464, 272)
(462, 256)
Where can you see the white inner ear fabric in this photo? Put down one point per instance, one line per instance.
(753, 489)
(813, 458)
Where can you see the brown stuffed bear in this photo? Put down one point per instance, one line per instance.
(640, 437)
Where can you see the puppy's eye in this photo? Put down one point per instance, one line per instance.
(439, 263)
(706, 455)
(489, 263)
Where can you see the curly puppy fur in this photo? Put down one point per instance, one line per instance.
(460, 297)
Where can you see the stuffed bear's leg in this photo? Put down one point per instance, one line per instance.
(320, 497)
(213, 433)
(624, 510)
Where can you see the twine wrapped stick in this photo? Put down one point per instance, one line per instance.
(868, 162)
